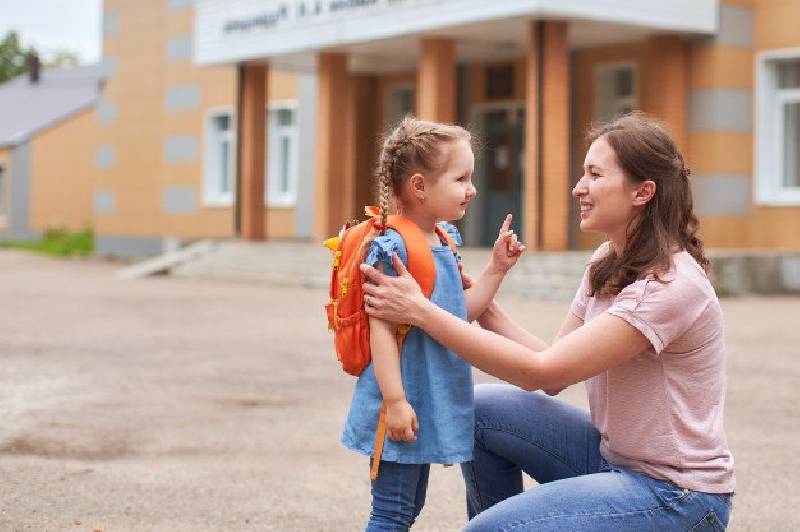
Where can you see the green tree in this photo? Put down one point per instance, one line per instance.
(12, 57)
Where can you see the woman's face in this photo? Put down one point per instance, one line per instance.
(607, 201)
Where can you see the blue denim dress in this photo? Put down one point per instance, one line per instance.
(437, 383)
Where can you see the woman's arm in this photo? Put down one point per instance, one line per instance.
(585, 351)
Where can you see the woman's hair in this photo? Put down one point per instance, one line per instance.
(412, 146)
(645, 151)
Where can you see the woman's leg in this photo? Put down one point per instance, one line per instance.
(615, 500)
(398, 495)
(518, 431)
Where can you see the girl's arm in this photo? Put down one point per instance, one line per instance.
(584, 352)
(505, 254)
(401, 421)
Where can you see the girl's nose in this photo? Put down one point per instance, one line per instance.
(472, 191)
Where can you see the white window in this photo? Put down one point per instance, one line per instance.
(778, 128)
(3, 196)
(615, 90)
(220, 157)
(282, 154)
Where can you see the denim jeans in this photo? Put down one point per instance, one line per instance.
(557, 445)
(398, 495)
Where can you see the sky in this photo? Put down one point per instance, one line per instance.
(55, 25)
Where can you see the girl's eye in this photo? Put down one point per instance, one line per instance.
(594, 174)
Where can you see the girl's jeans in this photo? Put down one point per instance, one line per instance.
(398, 495)
(558, 446)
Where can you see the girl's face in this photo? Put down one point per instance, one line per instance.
(447, 196)
(607, 201)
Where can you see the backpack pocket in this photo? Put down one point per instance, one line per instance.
(352, 342)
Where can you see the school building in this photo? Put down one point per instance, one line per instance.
(261, 119)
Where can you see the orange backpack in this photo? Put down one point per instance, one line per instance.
(346, 315)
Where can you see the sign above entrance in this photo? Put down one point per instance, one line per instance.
(237, 30)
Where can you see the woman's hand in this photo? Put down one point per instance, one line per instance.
(507, 249)
(401, 421)
(394, 299)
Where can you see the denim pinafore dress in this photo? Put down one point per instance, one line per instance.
(437, 383)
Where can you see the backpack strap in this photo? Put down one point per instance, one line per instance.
(420, 259)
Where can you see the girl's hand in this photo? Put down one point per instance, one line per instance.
(394, 299)
(507, 249)
(401, 421)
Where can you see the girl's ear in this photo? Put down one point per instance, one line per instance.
(644, 193)
(416, 184)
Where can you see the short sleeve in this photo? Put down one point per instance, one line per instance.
(661, 311)
(579, 302)
(381, 249)
(452, 230)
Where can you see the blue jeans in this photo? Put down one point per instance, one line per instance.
(398, 495)
(558, 446)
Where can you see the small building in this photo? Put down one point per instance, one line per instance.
(46, 136)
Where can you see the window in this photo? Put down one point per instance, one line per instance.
(499, 82)
(398, 102)
(3, 196)
(778, 128)
(282, 155)
(219, 158)
(615, 88)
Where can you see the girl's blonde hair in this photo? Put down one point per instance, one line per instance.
(413, 146)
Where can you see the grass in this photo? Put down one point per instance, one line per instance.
(58, 243)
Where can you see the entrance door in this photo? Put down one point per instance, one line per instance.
(501, 170)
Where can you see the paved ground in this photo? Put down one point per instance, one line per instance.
(184, 405)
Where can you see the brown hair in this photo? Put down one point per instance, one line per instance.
(645, 151)
(413, 145)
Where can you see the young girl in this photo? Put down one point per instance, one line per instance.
(427, 168)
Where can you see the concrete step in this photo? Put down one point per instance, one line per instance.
(537, 276)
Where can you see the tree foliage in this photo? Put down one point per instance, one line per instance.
(12, 57)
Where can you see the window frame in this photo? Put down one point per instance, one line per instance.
(212, 194)
(768, 139)
(602, 68)
(274, 197)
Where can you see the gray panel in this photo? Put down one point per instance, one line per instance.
(182, 98)
(108, 66)
(20, 185)
(306, 131)
(735, 26)
(110, 23)
(105, 111)
(128, 246)
(180, 149)
(720, 110)
(104, 201)
(105, 156)
(721, 194)
(179, 47)
(178, 200)
(790, 273)
(180, 4)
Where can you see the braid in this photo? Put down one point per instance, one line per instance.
(383, 200)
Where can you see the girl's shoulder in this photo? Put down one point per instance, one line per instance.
(451, 230)
(383, 246)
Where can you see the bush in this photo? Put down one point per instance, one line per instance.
(59, 243)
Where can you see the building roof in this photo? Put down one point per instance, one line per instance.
(27, 108)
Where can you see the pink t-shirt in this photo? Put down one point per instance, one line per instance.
(660, 413)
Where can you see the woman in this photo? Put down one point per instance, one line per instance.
(644, 331)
